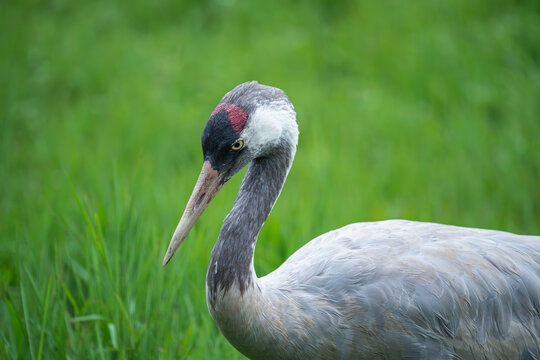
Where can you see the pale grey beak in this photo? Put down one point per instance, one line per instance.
(208, 185)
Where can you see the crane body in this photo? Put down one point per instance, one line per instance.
(409, 296)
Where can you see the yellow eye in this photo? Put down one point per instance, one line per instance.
(238, 144)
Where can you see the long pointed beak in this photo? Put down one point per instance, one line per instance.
(208, 185)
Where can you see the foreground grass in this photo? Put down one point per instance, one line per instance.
(420, 111)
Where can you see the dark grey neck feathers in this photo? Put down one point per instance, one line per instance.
(232, 256)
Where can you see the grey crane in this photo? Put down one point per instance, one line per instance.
(391, 289)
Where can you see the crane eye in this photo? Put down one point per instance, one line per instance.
(238, 144)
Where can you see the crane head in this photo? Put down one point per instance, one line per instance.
(249, 122)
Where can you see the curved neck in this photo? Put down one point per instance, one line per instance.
(231, 263)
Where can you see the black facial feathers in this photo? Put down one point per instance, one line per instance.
(217, 139)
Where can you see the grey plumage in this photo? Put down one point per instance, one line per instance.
(236, 241)
(403, 289)
(392, 289)
(251, 95)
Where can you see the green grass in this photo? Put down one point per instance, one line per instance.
(424, 110)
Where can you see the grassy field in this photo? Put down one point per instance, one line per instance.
(423, 110)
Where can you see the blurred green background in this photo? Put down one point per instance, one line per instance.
(423, 110)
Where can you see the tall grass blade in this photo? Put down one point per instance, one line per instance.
(44, 322)
(27, 322)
